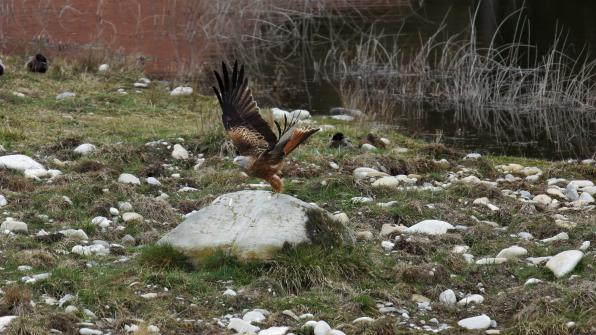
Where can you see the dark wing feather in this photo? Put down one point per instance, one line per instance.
(240, 111)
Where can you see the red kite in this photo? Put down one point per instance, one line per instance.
(261, 151)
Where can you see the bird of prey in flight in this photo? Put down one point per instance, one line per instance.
(261, 151)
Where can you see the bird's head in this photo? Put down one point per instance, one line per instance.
(242, 161)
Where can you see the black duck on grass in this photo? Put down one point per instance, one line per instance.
(39, 64)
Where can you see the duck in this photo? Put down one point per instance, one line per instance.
(340, 140)
(39, 63)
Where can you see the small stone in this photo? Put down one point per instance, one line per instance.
(149, 296)
(532, 281)
(75, 233)
(364, 172)
(571, 192)
(128, 240)
(241, 326)
(368, 147)
(132, 216)
(480, 322)
(491, 260)
(254, 316)
(512, 252)
(103, 68)
(114, 211)
(152, 181)
(542, 201)
(71, 309)
(448, 297)
(322, 328)
(387, 245)
(13, 226)
(230, 293)
(364, 235)
(559, 237)
(492, 331)
(430, 227)
(361, 200)
(585, 246)
(179, 152)
(388, 181)
(472, 299)
(387, 229)
(65, 95)
(274, 331)
(585, 196)
(85, 149)
(342, 218)
(125, 206)
(473, 156)
(181, 90)
(564, 262)
(90, 331)
(127, 178)
(363, 319)
(3, 201)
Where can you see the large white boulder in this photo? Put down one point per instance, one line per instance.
(254, 224)
(564, 262)
(20, 163)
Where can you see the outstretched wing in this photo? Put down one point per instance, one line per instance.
(248, 131)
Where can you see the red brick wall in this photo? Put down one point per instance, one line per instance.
(168, 33)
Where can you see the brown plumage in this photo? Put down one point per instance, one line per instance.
(374, 140)
(261, 150)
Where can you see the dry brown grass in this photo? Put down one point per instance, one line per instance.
(155, 209)
(16, 300)
(36, 258)
(426, 274)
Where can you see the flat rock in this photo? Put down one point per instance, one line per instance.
(254, 224)
(388, 181)
(346, 111)
(181, 90)
(491, 260)
(20, 163)
(85, 149)
(274, 331)
(448, 297)
(13, 226)
(5, 321)
(387, 229)
(472, 299)
(365, 172)
(65, 95)
(564, 262)
(132, 216)
(430, 227)
(179, 152)
(479, 322)
(512, 252)
(241, 326)
(127, 178)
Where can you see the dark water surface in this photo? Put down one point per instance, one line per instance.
(573, 20)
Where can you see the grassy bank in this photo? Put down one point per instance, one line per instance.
(337, 286)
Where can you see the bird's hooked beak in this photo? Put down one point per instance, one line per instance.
(241, 161)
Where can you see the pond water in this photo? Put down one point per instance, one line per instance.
(302, 87)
